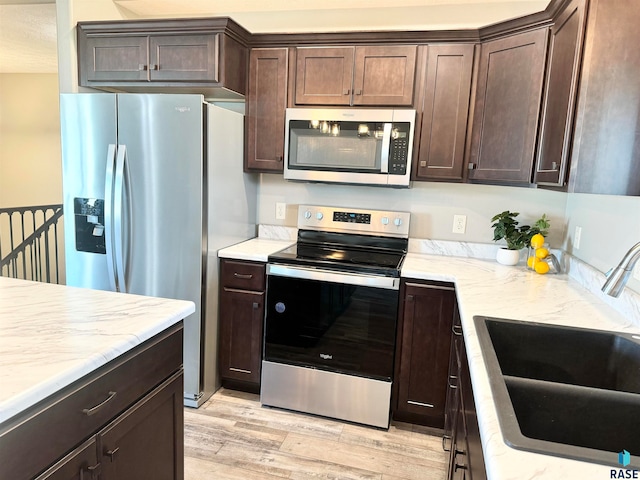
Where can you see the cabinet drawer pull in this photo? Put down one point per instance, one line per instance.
(112, 453)
(90, 411)
(419, 404)
(240, 370)
(142, 66)
(244, 276)
(444, 440)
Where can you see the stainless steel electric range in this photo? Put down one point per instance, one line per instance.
(331, 314)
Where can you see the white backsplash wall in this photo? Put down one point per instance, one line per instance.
(610, 226)
(432, 205)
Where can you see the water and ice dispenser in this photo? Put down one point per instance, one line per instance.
(89, 224)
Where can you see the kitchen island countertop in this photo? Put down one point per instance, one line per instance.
(52, 335)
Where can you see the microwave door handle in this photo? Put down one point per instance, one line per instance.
(386, 142)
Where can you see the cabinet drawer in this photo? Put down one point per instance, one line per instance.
(242, 275)
(50, 429)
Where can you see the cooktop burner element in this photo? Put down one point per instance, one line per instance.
(365, 241)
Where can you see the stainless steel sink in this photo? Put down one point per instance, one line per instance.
(564, 391)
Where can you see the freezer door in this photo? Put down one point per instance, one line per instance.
(88, 135)
(163, 229)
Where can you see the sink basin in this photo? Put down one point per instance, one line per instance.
(564, 391)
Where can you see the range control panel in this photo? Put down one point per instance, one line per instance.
(362, 221)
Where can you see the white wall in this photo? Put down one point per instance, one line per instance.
(30, 172)
(431, 204)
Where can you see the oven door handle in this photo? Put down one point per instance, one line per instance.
(320, 275)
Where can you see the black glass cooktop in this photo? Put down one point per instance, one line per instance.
(347, 252)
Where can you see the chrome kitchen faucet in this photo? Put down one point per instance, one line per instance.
(617, 277)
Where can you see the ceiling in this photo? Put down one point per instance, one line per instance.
(28, 27)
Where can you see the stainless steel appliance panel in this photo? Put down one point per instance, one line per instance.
(347, 397)
(164, 233)
(88, 128)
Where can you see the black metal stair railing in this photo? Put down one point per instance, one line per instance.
(30, 244)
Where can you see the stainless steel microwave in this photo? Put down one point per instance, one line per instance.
(355, 145)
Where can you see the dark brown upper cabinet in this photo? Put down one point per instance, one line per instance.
(605, 157)
(355, 76)
(445, 110)
(138, 55)
(266, 106)
(507, 107)
(563, 68)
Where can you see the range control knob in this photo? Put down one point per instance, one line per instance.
(307, 214)
(319, 216)
(385, 220)
(397, 222)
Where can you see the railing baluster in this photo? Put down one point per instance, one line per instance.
(31, 258)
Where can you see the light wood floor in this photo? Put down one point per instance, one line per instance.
(233, 437)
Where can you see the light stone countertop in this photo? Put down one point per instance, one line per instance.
(52, 335)
(256, 250)
(484, 287)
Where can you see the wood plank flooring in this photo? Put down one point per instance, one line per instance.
(233, 437)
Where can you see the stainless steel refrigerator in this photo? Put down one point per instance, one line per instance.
(153, 187)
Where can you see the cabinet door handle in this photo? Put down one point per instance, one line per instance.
(457, 330)
(444, 440)
(346, 91)
(112, 453)
(256, 305)
(244, 276)
(279, 158)
(94, 472)
(155, 67)
(554, 166)
(142, 66)
(358, 92)
(452, 377)
(90, 411)
(409, 298)
(471, 166)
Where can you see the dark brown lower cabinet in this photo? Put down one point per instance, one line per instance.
(422, 352)
(242, 295)
(462, 433)
(123, 421)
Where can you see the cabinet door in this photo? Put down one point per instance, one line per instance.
(117, 59)
(324, 76)
(80, 464)
(424, 351)
(384, 75)
(189, 58)
(241, 315)
(445, 112)
(266, 106)
(560, 97)
(508, 97)
(147, 440)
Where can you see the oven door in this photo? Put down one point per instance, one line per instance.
(332, 321)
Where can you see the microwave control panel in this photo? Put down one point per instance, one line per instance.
(398, 156)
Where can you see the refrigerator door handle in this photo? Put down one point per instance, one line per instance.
(118, 213)
(108, 214)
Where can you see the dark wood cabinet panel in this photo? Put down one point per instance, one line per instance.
(117, 59)
(147, 440)
(198, 55)
(324, 76)
(605, 155)
(81, 464)
(424, 339)
(363, 75)
(564, 61)
(445, 112)
(508, 97)
(384, 75)
(241, 313)
(266, 107)
(191, 58)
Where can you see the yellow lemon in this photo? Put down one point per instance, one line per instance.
(537, 240)
(531, 261)
(542, 252)
(541, 267)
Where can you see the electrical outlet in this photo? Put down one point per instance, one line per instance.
(281, 211)
(459, 223)
(577, 237)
